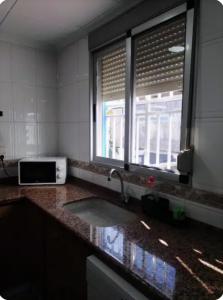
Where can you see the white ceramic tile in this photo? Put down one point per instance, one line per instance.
(74, 172)
(85, 175)
(47, 138)
(69, 140)
(47, 105)
(204, 214)
(25, 107)
(23, 64)
(134, 190)
(69, 103)
(5, 62)
(46, 69)
(84, 141)
(99, 180)
(67, 65)
(211, 24)
(114, 184)
(210, 80)
(83, 58)
(84, 100)
(25, 140)
(7, 139)
(6, 104)
(208, 158)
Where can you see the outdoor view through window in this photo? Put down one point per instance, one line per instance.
(158, 68)
(157, 107)
(111, 73)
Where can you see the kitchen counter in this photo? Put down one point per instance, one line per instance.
(164, 261)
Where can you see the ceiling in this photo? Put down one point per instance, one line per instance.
(57, 21)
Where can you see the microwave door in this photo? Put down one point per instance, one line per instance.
(38, 172)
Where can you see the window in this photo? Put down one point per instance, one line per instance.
(158, 90)
(142, 94)
(110, 67)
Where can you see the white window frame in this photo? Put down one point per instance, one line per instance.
(187, 94)
(93, 94)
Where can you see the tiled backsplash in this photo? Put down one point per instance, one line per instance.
(74, 108)
(28, 99)
(199, 205)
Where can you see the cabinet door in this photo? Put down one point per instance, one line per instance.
(65, 263)
(13, 255)
(20, 249)
(104, 283)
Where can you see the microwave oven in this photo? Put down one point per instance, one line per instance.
(42, 170)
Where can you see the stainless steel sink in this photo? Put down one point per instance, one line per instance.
(99, 212)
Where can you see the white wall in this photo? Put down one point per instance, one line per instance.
(28, 99)
(73, 82)
(208, 163)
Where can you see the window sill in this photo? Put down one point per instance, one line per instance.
(137, 169)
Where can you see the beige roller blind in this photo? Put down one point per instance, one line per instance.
(157, 68)
(113, 74)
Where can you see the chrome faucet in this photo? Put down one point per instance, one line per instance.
(124, 197)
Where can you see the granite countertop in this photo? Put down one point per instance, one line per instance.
(170, 263)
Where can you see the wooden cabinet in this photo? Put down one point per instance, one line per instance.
(65, 263)
(21, 266)
(13, 267)
(39, 257)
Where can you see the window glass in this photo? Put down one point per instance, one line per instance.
(110, 124)
(158, 89)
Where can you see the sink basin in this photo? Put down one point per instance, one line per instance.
(99, 212)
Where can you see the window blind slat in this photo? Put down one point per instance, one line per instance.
(113, 73)
(158, 68)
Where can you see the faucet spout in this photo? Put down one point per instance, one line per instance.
(124, 198)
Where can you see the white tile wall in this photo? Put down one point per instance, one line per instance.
(69, 104)
(84, 109)
(83, 59)
(6, 100)
(208, 163)
(7, 138)
(46, 69)
(210, 80)
(25, 139)
(74, 130)
(28, 99)
(47, 104)
(211, 26)
(67, 65)
(84, 141)
(23, 65)
(69, 139)
(47, 136)
(208, 160)
(5, 62)
(24, 102)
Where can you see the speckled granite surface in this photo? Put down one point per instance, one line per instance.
(169, 262)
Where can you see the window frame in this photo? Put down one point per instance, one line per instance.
(186, 118)
(102, 50)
